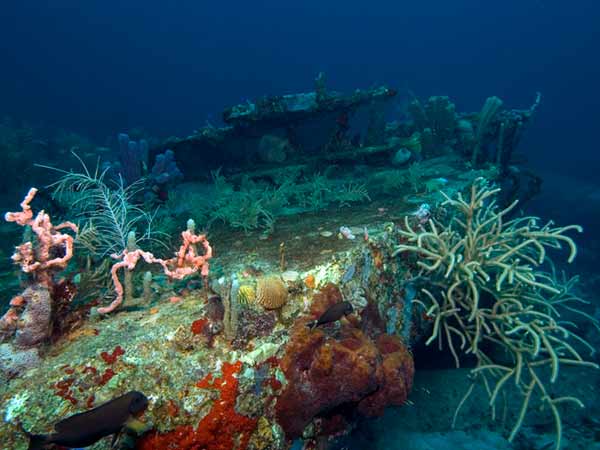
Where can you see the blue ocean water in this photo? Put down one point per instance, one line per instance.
(75, 74)
(110, 66)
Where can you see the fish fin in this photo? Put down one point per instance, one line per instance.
(114, 439)
(135, 424)
(36, 441)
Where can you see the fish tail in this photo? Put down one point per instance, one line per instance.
(36, 441)
(312, 325)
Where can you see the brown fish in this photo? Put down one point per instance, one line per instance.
(333, 313)
(86, 428)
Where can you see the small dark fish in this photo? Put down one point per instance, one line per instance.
(87, 428)
(333, 313)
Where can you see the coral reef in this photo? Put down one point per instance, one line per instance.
(220, 344)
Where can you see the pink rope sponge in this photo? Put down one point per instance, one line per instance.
(128, 261)
(37, 258)
(186, 262)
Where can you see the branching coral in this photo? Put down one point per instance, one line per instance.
(188, 260)
(127, 260)
(488, 289)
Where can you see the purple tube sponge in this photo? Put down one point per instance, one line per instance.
(132, 155)
(165, 170)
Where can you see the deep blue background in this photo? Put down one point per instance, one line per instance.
(103, 66)
(99, 67)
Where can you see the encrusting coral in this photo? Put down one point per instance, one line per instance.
(489, 289)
